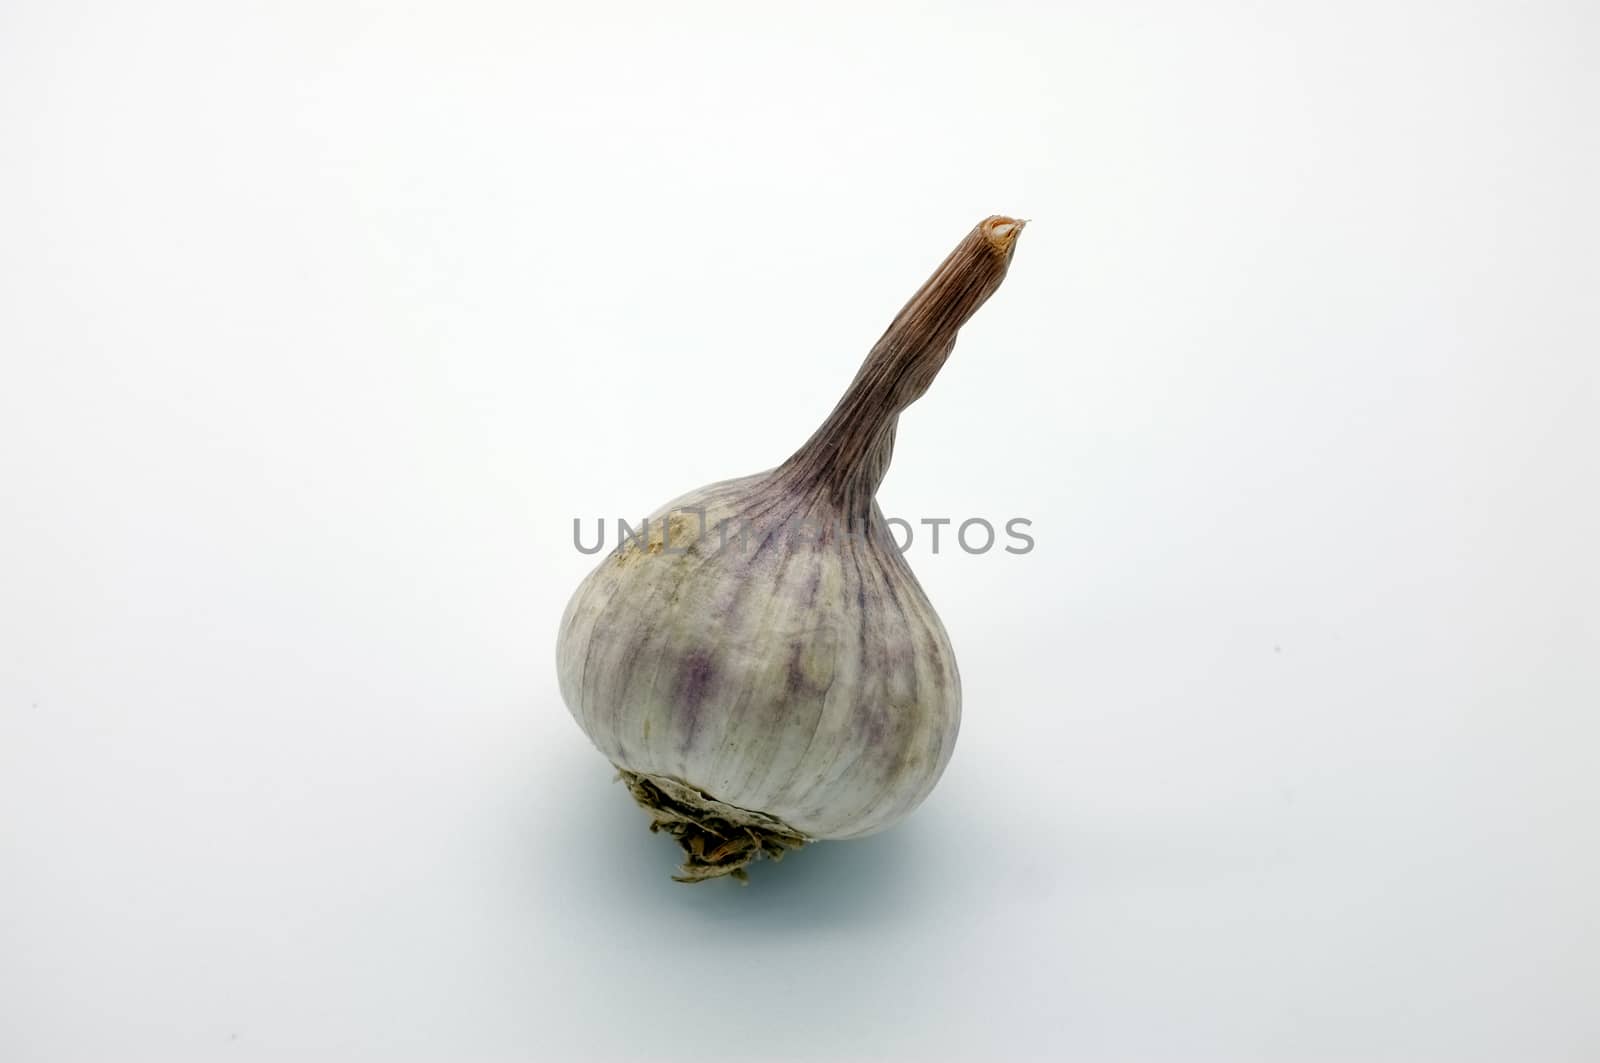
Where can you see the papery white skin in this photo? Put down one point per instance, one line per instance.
(812, 682)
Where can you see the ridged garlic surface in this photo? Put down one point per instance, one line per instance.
(760, 664)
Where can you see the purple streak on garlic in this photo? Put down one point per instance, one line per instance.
(764, 669)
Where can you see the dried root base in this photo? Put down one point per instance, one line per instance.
(719, 839)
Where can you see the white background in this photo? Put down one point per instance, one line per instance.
(321, 321)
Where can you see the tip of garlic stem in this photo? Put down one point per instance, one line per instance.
(1002, 231)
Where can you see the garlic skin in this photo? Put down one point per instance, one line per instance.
(811, 682)
(765, 669)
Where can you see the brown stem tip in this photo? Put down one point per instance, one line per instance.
(1001, 232)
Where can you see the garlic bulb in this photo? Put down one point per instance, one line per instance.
(760, 664)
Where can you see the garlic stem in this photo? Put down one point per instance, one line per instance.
(849, 453)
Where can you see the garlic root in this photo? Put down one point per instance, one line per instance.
(717, 839)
